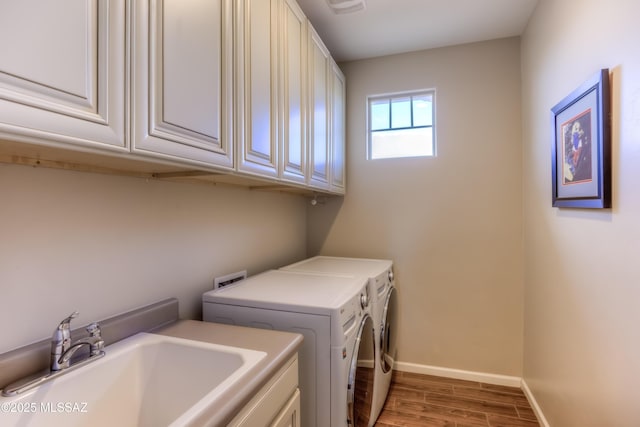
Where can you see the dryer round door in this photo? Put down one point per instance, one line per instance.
(360, 384)
(388, 333)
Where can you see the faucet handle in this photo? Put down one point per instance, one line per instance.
(94, 329)
(60, 342)
(65, 324)
(97, 344)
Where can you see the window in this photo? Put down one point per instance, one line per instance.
(401, 125)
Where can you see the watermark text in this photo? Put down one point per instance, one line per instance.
(44, 407)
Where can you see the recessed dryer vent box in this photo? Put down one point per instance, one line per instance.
(222, 281)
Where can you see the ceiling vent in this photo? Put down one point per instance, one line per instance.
(346, 6)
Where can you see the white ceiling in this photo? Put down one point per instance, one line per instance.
(386, 27)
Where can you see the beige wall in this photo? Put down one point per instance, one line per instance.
(451, 223)
(103, 245)
(582, 339)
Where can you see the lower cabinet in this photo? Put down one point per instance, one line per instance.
(290, 414)
(277, 404)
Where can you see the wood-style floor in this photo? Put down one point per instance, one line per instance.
(416, 400)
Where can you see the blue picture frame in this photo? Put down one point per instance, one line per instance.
(581, 148)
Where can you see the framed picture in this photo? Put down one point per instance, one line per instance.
(581, 149)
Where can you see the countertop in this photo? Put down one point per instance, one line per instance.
(279, 347)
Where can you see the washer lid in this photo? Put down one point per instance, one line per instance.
(338, 265)
(285, 290)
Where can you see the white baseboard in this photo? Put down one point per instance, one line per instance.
(365, 363)
(534, 405)
(459, 374)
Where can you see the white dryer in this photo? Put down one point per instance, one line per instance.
(383, 301)
(331, 313)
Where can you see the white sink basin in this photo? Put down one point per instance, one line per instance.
(145, 380)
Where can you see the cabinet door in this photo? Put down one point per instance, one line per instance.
(290, 414)
(293, 129)
(257, 60)
(62, 72)
(337, 130)
(182, 80)
(318, 112)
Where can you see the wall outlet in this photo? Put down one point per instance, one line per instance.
(222, 281)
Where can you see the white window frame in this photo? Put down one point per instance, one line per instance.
(389, 97)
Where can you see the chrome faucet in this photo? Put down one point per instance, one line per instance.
(62, 349)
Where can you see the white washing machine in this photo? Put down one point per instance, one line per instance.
(332, 315)
(383, 310)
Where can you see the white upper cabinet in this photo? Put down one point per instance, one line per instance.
(182, 81)
(319, 104)
(206, 86)
(271, 82)
(257, 77)
(338, 97)
(62, 72)
(293, 111)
